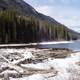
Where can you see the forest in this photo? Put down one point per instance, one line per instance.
(15, 28)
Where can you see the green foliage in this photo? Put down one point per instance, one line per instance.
(24, 29)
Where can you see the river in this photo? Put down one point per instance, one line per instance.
(73, 45)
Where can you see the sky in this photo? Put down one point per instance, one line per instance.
(66, 12)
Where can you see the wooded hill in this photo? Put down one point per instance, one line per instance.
(24, 29)
(21, 23)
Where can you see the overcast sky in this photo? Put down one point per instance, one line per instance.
(65, 11)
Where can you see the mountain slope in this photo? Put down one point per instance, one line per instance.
(23, 8)
(21, 23)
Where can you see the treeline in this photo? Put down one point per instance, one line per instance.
(15, 28)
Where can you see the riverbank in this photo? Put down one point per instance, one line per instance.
(33, 44)
(35, 64)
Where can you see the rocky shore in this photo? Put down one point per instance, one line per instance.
(35, 64)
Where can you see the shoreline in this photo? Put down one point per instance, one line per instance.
(34, 44)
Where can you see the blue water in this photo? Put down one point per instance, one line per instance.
(73, 46)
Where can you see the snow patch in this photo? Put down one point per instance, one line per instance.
(28, 55)
(56, 42)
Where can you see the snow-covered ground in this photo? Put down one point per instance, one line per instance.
(67, 68)
(56, 42)
(49, 69)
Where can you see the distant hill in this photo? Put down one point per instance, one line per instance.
(21, 23)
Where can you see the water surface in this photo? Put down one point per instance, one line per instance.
(73, 45)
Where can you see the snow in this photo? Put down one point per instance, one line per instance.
(18, 61)
(39, 66)
(56, 42)
(12, 66)
(9, 72)
(11, 51)
(33, 77)
(37, 77)
(64, 66)
(28, 55)
(25, 56)
(17, 68)
(67, 68)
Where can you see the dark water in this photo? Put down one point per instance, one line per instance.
(73, 46)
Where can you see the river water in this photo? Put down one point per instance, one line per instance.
(73, 45)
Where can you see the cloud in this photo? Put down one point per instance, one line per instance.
(60, 12)
(65, 11)
(66, 16)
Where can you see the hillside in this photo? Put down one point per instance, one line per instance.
(23, 8)
(21, 23)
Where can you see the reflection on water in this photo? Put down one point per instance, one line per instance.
(74, 45)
